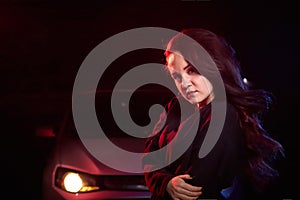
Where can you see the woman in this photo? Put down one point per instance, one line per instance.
(203, 65)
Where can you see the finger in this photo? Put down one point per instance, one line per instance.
(190, 196)
(185, 176)
(189, 193)
(192, 188)
(189, 186)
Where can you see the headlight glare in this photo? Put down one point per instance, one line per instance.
(74, 181)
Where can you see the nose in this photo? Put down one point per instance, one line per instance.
(185, 82)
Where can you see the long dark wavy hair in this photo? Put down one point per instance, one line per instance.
(251, 103)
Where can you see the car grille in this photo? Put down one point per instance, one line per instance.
(121, 182)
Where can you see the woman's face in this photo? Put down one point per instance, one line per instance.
(194, 87)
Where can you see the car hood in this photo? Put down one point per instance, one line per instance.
(74, 154)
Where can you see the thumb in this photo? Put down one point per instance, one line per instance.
(185, 176)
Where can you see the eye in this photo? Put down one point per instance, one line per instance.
(176, 77)
(191, 70)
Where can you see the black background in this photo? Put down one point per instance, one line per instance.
(43, 43)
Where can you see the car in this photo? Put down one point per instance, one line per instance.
(73, 172)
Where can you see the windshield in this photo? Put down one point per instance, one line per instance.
(137, 106)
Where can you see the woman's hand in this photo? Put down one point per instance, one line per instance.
(178, 189)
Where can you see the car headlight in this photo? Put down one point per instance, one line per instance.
(74, 181)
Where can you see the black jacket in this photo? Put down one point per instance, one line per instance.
(218, 170)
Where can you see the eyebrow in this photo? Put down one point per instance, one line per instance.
(186, 66)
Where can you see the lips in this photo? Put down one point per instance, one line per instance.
(191, 94)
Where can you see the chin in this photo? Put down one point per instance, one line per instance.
(192, 101)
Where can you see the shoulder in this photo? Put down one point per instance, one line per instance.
(169, 120)
(166, 120)
(167, 116)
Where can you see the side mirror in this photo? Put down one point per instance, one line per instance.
(45, 132)
(45, 138)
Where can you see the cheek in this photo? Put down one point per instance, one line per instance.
(208, 85)
(178, 86)
(203, 84)
(198, 82)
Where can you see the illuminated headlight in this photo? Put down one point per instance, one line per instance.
(74, 181)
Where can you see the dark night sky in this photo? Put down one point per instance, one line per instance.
(43, 43)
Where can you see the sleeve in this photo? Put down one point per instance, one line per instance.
(157, 179)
